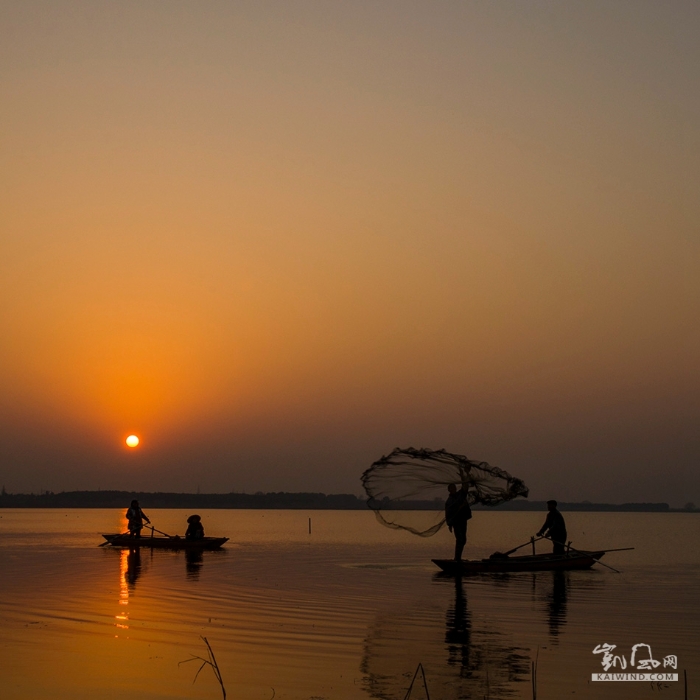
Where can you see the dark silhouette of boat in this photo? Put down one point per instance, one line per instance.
(533, 562)
(175, 542)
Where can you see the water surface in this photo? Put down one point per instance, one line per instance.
(348, 611)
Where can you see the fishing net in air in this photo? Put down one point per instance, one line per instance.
(407, 488)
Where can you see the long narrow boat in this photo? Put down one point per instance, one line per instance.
(533, 562)
(176, 542)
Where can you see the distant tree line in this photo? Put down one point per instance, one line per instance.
(523, 505)
(284, 500)
(121, 499)
(587, 506)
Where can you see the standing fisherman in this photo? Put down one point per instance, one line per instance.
(457, 512)
(554, 528)
(136, 516)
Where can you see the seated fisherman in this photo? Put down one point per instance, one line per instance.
(554, 528)
(195, 529)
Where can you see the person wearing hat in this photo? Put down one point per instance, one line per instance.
(195, 529)
(554, 528)
(136, 516)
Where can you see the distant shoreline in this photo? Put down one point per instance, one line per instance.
(284, 500)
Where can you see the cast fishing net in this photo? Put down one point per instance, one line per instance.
(407, 488)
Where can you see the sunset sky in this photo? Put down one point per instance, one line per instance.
(276, 240)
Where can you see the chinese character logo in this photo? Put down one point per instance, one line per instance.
(641, 658)
(609, 660)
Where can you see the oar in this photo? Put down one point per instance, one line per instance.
(499, 555)
(160, 532)
(596, 561)
(515, 549)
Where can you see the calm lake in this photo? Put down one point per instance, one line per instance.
(348, 611)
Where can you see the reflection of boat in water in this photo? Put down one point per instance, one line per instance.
(476, 636)
(131, 567)
(534, 562)
(165, 542)
(463, 654)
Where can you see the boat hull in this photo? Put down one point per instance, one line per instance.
(538, 562)
(125, 541)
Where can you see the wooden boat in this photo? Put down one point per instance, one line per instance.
(533, 562)
(175, 542)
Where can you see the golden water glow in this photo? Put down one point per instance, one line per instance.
(132, 441)
(122, 618)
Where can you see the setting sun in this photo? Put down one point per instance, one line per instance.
(132, 441)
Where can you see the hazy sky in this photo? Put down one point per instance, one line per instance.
(278, 239)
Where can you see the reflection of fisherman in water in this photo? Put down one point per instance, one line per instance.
(133, 566)
(193, 563)
(458, 631)
(466, 653)
(457, 512)
(556, 602)
(554, 527)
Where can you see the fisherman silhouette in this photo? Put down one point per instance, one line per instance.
(136, 516)
(457, 512)
(195, 529)
(554, 528)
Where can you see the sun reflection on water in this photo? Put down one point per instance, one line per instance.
(123, 616)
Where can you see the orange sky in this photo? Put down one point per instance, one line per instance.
(277, 240)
